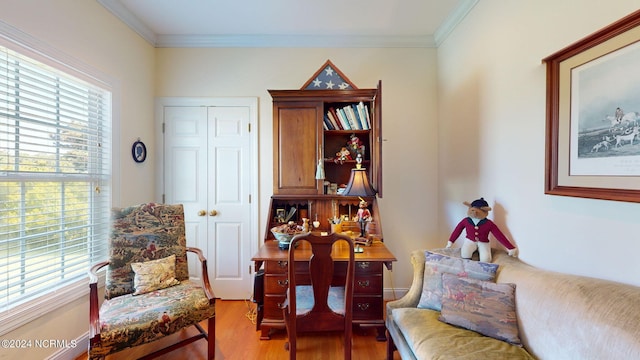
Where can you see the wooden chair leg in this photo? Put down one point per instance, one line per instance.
(211, 338)
(391, 346)
(293, 346)
(348, 341)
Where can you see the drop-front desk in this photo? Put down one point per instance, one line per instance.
(271, 284)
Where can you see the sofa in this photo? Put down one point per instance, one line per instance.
(557, 316)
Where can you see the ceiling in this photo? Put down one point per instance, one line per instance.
(291, 23)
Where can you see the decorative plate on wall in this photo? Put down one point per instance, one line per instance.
(139, 151)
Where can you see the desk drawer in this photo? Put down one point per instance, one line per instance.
(368, 267)
(272, 305)
(276, 267)
(367, 307)
(368, 285)
(362, 267)
(276, 284)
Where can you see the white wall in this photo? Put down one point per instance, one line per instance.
(86, 32)
(491, 110)
(408, 77)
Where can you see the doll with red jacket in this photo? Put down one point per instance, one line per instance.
(478, 228)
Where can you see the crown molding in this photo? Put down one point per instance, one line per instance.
(452, 21)
(122, 13)
(295, 41)
(289, 41)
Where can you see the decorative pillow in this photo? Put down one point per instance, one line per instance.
(154, 275)
(141, 233)
(481, 306)
(436, 264)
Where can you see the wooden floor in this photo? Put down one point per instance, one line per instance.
(237, 338)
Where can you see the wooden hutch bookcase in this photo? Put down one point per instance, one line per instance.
(308, 133)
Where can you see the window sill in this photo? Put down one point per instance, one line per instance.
(24, 313)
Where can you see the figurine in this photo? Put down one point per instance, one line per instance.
(364, 215)
(356, 146)
(343, 155)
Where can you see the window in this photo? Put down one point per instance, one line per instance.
(55, 145)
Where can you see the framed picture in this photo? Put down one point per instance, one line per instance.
(138, 151)
(593, 115)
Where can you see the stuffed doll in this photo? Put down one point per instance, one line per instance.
(478, 228)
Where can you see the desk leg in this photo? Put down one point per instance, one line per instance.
(382, 336)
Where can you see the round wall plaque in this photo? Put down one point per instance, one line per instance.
(139, 151)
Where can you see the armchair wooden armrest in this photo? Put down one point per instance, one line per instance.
(205, 274)
(94, 308)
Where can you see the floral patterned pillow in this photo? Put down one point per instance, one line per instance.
(481, 306)
(154, 275)
(436, 264)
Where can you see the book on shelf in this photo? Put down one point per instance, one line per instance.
(364, 115)
(348, 117)
(343, 119)
(326, 124)
(333, 117)
(356, 114)
(355, 124)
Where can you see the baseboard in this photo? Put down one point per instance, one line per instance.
(394, 294)
(74, 349)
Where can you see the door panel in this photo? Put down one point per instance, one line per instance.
(229, 166)
(185, 172)
(296, 146)
(207, 169)
(227, 267)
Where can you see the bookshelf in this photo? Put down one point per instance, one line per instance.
(302, 138)
(307, 131)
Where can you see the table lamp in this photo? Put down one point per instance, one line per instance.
(359, 184)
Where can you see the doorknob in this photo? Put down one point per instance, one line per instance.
(213, 213)
(202, 213)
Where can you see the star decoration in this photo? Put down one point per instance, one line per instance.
(330, 84)
(343, 86)
(317, 82)
(329, 71)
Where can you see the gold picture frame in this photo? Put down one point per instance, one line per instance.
(584, 91)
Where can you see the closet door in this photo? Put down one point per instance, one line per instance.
(207, 169)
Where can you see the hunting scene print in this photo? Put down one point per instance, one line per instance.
(617, 138)
(605, 114)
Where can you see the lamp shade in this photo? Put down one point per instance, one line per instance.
(359, 184)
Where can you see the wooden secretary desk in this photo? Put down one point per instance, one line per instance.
(368, 302)
(311, 126)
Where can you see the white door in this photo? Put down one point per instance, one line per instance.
(208, 168)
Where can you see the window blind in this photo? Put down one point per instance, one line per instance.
(54, 178)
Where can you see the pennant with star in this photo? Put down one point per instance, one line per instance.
(328, 77)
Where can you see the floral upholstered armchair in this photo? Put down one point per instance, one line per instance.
(148, 294)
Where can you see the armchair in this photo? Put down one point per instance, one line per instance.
(157, 299)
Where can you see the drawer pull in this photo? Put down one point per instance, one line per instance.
(283, 283)
(363, 283)
(283, 264)
(363, 264)
(363, 306)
